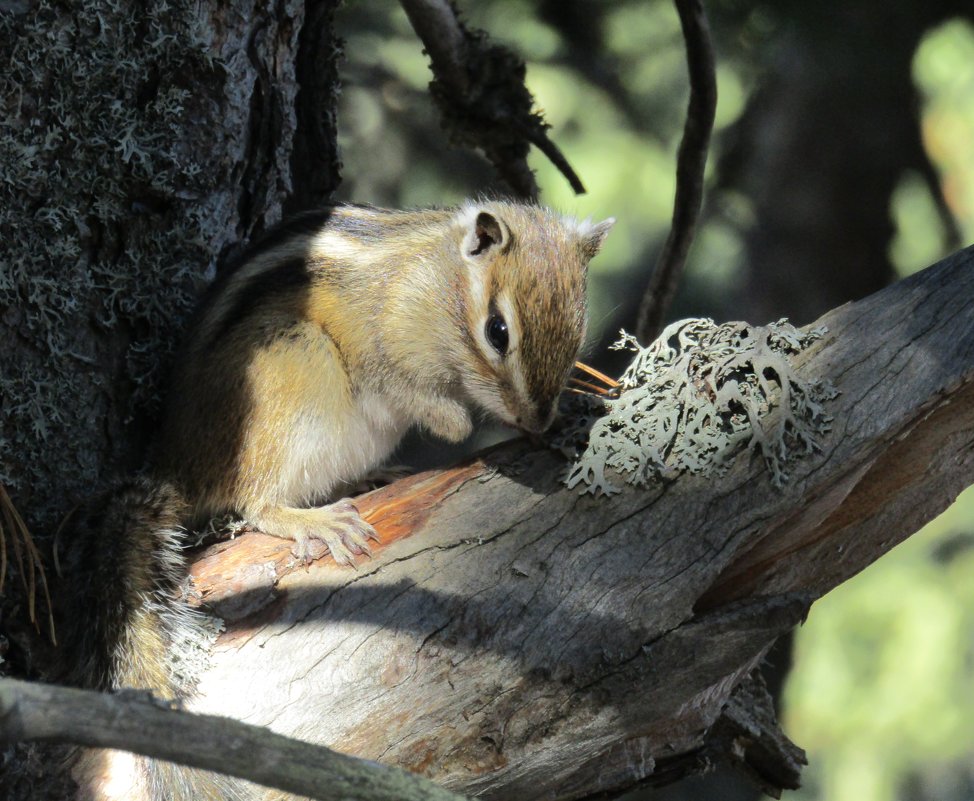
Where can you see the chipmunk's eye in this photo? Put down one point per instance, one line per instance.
(496, 333)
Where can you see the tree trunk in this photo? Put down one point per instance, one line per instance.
(514, 639)
(139, 145)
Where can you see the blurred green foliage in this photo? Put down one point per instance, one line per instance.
(882, 692)
(943, 71)
(944, 74)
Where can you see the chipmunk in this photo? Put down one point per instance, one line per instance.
(306, 364)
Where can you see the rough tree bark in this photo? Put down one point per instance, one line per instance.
(139, 147)
(513, 639)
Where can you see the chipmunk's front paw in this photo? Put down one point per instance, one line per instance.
(447, 419)
(338, 526)
(341, 528)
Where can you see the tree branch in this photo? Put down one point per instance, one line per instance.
(690, 166)
(480, 91)
(513, 639)
(133, 721)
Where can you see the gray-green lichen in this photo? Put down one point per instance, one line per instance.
(692, 399)
(104, 237)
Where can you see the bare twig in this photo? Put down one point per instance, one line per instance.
(137, 723)
(445, 39)
(691, 161)
(537, 135)
(479, 88)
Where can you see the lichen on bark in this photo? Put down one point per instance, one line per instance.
(692, 399)
(107, 218)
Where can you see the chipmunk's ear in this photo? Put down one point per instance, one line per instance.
(591, 236)
(485, 234)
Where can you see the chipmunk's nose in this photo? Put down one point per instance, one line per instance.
(540, 420)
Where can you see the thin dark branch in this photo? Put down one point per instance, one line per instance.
(540, 139)
(443, 35)
(480, 92)
(691, 161)
(135, 722)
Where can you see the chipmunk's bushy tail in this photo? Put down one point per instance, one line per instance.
(123, 622)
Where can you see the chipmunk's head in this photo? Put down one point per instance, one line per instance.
(526, 315)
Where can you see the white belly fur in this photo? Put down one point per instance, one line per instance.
(324, 451)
